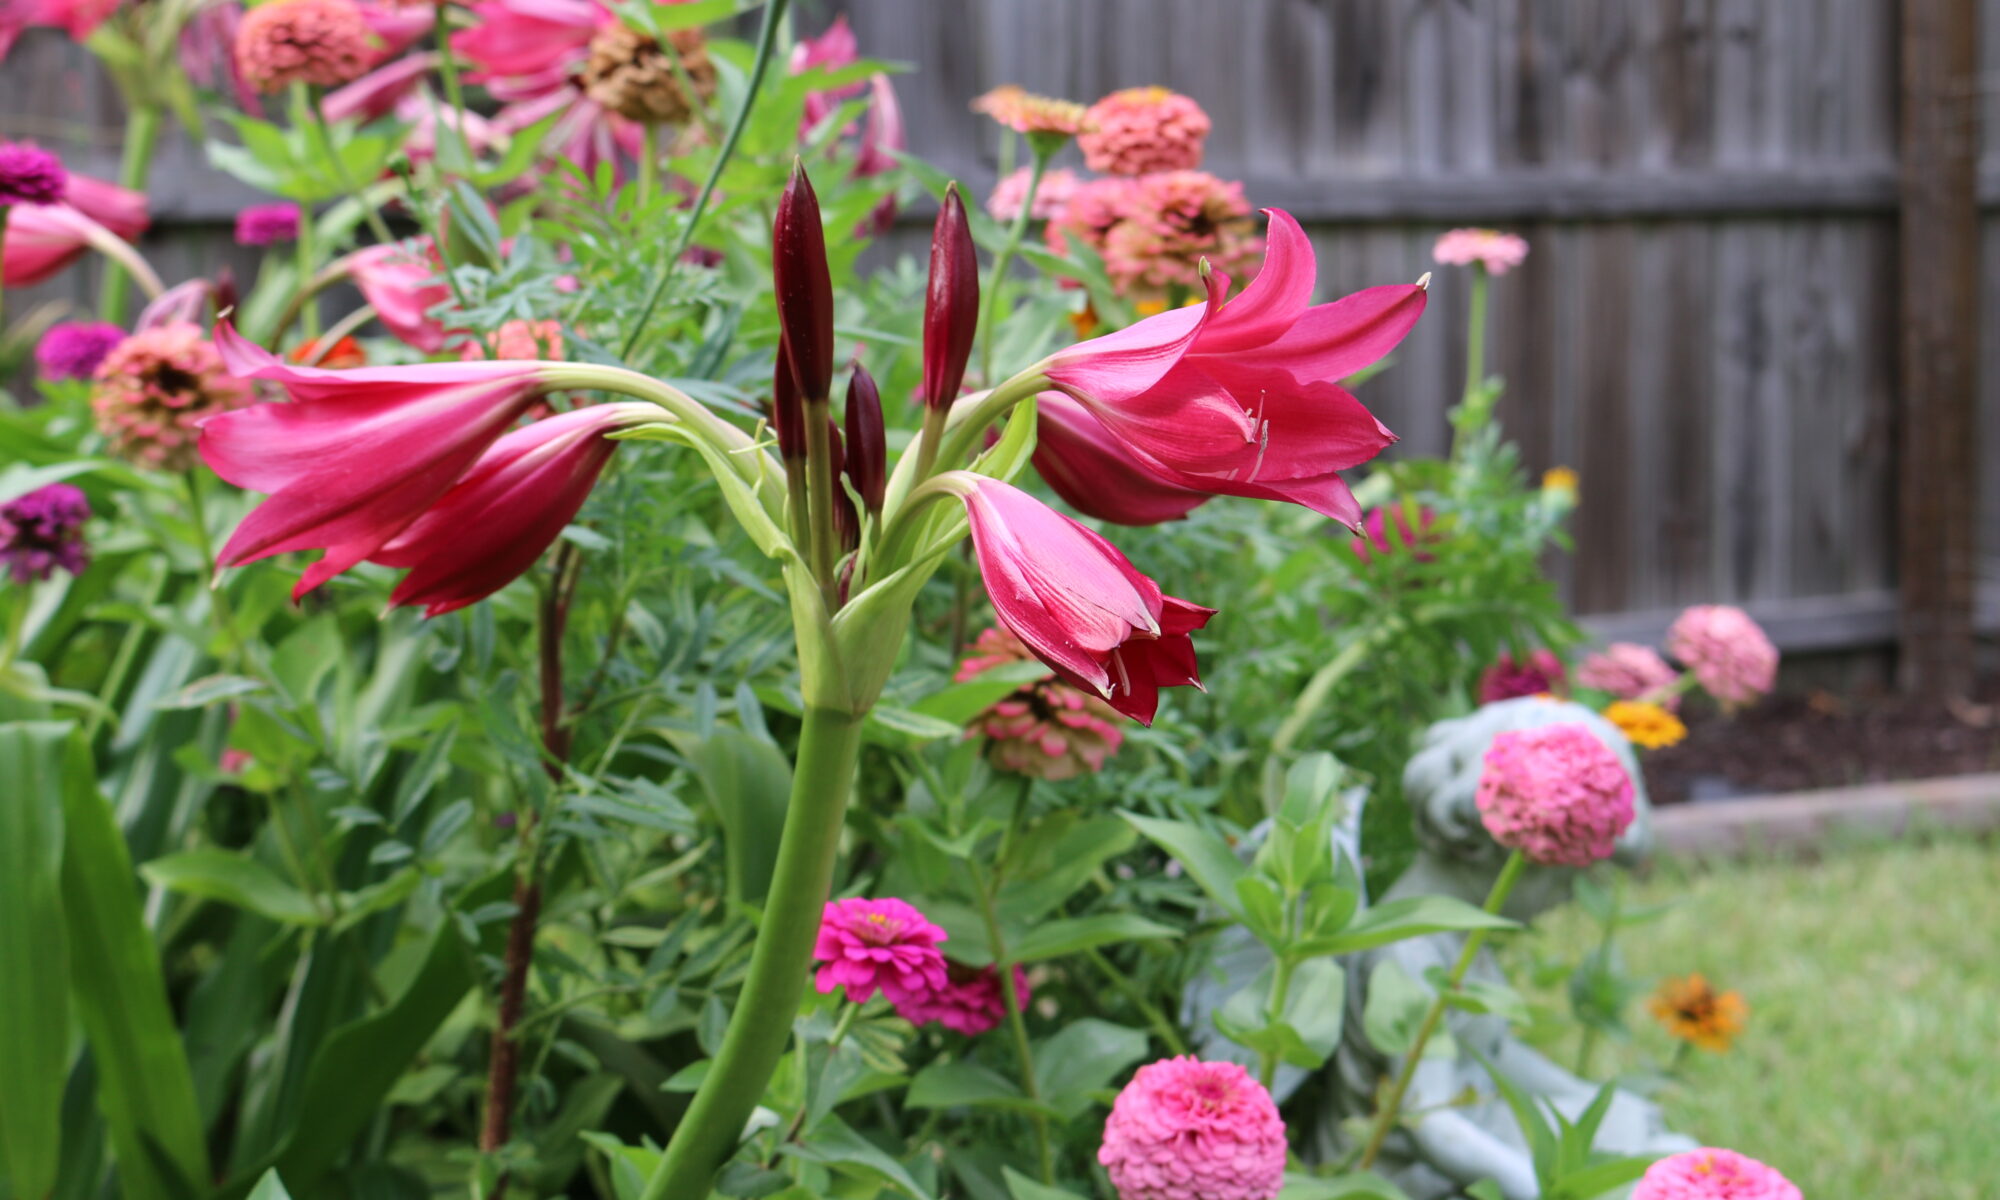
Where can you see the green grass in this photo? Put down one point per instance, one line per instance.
(1870, 1067)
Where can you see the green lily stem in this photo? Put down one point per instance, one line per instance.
(970, 425)
(1017, 1026)
(338, 165)
(142, 138)
(1392, 1104)
(822, 779)
(767, 40)
(1038, 165)
(1588, 1045)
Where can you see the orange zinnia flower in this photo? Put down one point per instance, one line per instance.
(1696, 1013)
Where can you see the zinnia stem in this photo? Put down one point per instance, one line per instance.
(1001, 261)
(142, 136)
(1474, 413)
(1392, 1104)
(1017, 1025)
(1281, 987)
(448, 68)
(338, 166)
(822, 778)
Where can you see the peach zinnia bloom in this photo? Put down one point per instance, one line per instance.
(1024, 112)
(1695, 1012)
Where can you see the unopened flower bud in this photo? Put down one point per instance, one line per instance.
(804, 288)
(867, 444)
(846, 521)
(788, 413)
(951, 306)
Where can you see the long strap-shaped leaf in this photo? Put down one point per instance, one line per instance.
(34, 987)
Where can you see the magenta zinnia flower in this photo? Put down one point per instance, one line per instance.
(1377, 539)
(1708, 1174)
(1142, 130)
(1539, 674)
(357, 456)
(1096, 475)
(971, 1001)
(1728, 652)
(1185, 1129)
(267, 224)
(1556, 794)
(1629, 671)
(153, 391)
(1241, 398)
(1077, 602)
(496, 521)
(73, 349)
(43, 531)
(886, 945)
(30, 175)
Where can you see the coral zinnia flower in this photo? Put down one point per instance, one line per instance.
(1185, 1129)
(321, 42)
(1024, 112)
(1696, 1013)
(885, 945)
(1645, 724)
(1556, 794)
(156, 388)
(1142, 130)
(1709, 1174)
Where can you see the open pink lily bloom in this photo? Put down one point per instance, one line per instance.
(1242, 398)
(42, 239)
(1078, 603)
(359, 455)
(1094, 473)
(400, 280)
(495, 522)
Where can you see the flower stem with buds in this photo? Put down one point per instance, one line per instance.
(1392, 1104)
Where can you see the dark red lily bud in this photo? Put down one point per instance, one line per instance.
(225, 294)
(846, 521)
(867, 445)
(788, 412)
(805, 289)
(951, 306)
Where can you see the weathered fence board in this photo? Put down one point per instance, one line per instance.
(1706, 327)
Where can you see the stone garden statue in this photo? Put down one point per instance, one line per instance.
(1456, 1130)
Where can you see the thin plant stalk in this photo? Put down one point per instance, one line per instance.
(142, 138)
(1392, 1104)
(1038, 165)
(767, 40)
(454, 92)
(822, 779)
(338, 165)
(1017, 1026)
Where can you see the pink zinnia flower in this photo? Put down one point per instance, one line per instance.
(42, 532)
(73, 349)
(357, 456)
(42, 239)
(1727, 651)
(1046, 729)
(1078, 603)
(402, 280)
(1142, 130)
(30, 175)
(1173, 221)
(1240, 398)
(1496, 252)
(971, 1001)
(1713, 1175)
(1556, 794)
(886, 945)
(321, 42)
(1541, 672)
(77, 18)
(1052, 195)
(1092, 471)
(154, 390)
(1185, 1129)
(1629, 671)
(1094, 209)
(1376, 538)
(511, 506)
(267, 224)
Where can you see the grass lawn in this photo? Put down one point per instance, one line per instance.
(1870, 1068)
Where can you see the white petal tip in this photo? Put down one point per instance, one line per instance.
(1424, 282)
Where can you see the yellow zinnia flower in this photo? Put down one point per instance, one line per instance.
(1645, 724)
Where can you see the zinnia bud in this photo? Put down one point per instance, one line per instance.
(804, 288)
(951, 306)
(867, 446)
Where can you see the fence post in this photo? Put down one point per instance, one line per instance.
(1938, 243)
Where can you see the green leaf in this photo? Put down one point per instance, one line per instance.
(1361, 1185)
(838, 1146)
(1020, 1187)
(1486, 1189)
(145, 1087)
(1598, 1178)
(212, 690)
(1067, 935)
(1408, 918)
(233, 878)
(1395, 1008)
(1307, 1029)
(1208, 859)
(34, 986)
(961, 702)
(749, 783)
(1083, 1057)
(965, 1084)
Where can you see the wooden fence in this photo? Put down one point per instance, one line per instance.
(1707, 327)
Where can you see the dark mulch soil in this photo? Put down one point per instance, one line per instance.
(1821, 740)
